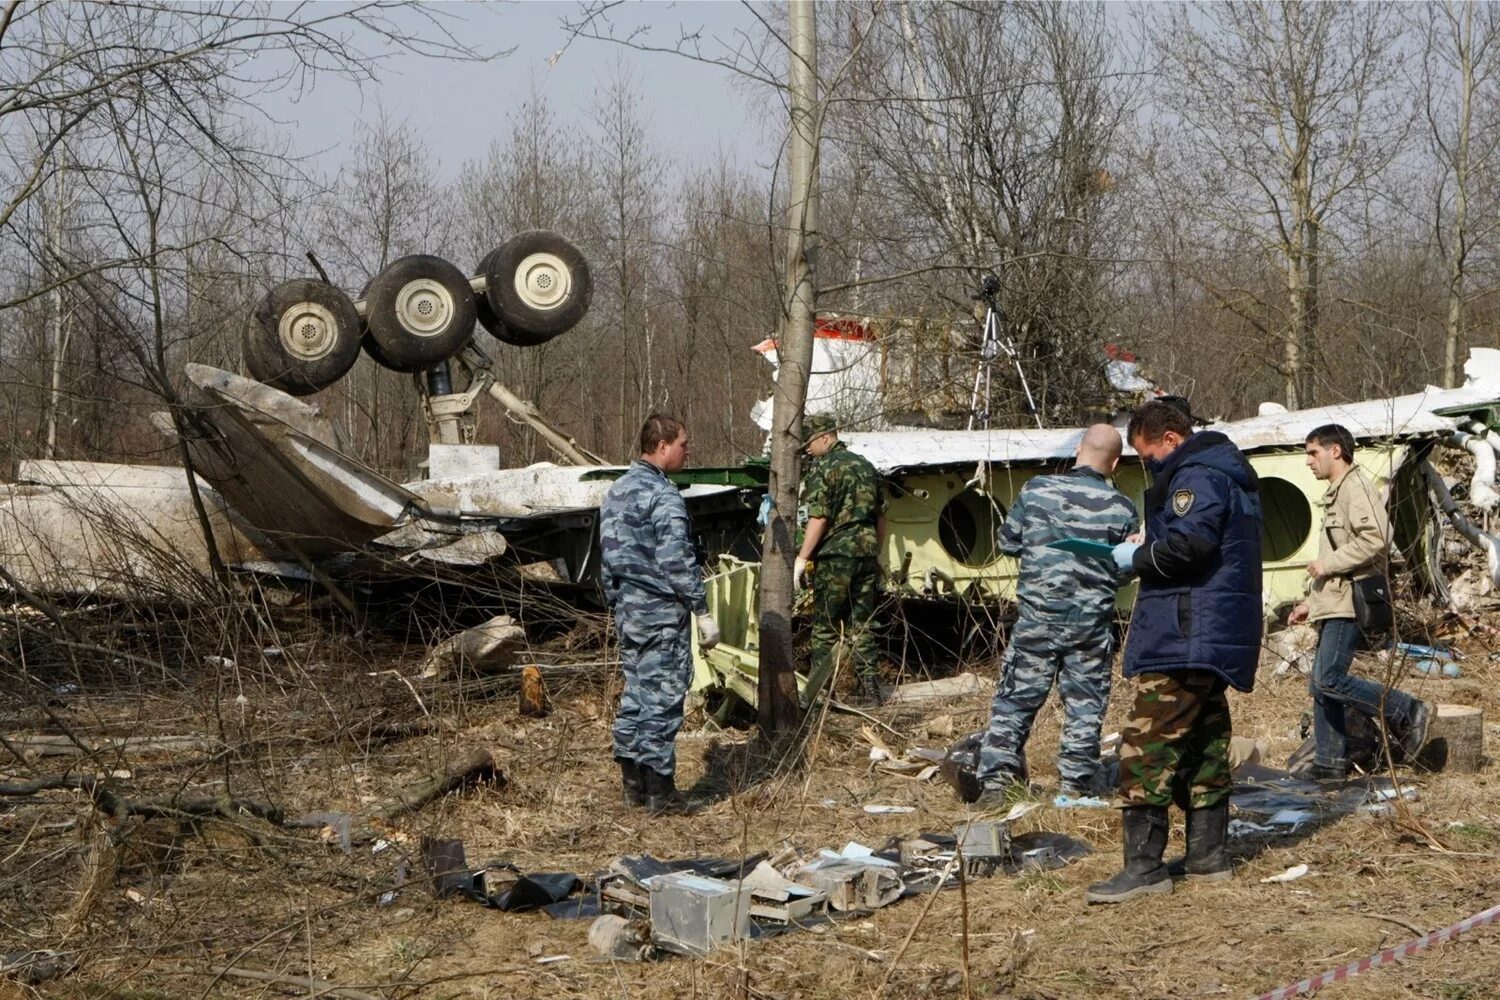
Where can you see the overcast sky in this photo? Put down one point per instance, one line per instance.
(460, 107)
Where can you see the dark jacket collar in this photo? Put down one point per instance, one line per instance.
(1211, 448)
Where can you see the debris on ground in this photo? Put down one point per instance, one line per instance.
(485, 648)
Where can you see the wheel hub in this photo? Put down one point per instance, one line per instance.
(543, 281)
(308, 331)
(424, 307)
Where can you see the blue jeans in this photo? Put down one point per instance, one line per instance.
(1333, 689)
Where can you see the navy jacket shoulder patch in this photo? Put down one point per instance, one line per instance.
(1182, 502)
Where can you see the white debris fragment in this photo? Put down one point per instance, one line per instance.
(1290, 875)
(1292, 818)
(876, 810)
(491, 646)
(1020, 809)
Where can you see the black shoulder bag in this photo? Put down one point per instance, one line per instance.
(1372, 599)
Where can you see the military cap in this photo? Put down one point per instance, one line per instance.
(815, 424)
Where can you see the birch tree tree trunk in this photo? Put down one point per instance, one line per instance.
(779, 709)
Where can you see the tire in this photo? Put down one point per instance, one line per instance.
(302, 337)
(493, 323)
(538, 284)
(418, 311)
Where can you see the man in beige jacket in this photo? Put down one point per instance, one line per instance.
(1354, 543)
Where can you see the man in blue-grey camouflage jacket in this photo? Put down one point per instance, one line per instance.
(653, 583)
(1066, 602)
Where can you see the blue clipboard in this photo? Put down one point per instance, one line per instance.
(1084, 547)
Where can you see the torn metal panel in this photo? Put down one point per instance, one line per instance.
(1395, 418)
(277, 460)
(854, 883)
(117, 530)
(988, 838)
(775, 897)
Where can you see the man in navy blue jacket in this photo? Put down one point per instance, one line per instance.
(1195, 632)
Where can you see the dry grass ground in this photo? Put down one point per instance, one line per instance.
(151, 905)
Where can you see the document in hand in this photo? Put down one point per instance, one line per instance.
(1084, 547)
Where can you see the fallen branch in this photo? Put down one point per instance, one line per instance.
(318, 986)
(478, 766)
(63, 746)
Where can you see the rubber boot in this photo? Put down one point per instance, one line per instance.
(632, 784)
(1414, 737)
(1144, 874)
(1206, 860)
(662, 796)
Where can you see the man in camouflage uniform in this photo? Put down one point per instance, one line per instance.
(1195, 632)
(845, 528)
(1066, 605)
(652, 583)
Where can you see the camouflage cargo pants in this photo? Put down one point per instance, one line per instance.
(656, 656)
(843, 605)
(1176, 746)
(1077, 656)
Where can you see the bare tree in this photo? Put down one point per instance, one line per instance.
(989, 132)
(1460, 47)
(1288, 115)
(631, 173)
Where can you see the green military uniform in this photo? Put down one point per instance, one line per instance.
(844, 488)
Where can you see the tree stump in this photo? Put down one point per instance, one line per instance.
(1455, 740)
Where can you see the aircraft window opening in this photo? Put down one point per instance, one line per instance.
(1287, 519)
(968, 525)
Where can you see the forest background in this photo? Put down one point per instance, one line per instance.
(1291, 202)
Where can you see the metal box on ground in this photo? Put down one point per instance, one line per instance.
(693, 915)
(985, 838)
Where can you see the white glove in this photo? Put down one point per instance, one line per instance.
(799, 573)
(708, 632)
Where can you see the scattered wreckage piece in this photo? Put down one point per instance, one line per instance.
(499, 885)
(621, 939)
(491, 646)
(694, 915)
(118, 531)
(643, 906)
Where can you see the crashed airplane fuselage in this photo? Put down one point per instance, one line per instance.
(282, 498)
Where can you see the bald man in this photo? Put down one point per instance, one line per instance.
(1066, 602)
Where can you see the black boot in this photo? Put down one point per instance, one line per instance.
(1144, 874)
(1206, 860)
(633, 785)
(662, 796)
(1414, 736)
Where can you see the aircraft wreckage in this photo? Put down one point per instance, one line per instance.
(283, 502)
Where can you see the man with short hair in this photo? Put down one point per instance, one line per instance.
(1354, 543)
(1062, 633)
(653, 583)
(845, 529)
(1194, 633)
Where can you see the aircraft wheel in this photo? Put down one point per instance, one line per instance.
(538, 286)
(302, 337)
(418, 311)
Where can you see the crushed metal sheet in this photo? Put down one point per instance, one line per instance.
(773, 896)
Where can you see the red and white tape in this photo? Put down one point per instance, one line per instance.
(1375, 961)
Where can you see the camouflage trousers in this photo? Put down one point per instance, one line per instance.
(1074, 654)
(1176, 746)
(656, 656)
(843, 615)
